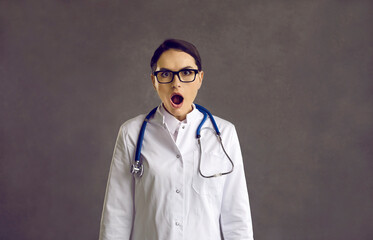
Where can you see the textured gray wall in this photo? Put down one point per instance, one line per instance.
(295, 77)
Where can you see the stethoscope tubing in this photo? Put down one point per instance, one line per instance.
(138, 168)
(141, 134)
(205, 111)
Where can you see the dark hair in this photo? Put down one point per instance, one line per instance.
(179, 45)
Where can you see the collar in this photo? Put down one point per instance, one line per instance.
(172, 123)
(164, 117)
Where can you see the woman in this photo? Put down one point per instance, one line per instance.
(179, 189)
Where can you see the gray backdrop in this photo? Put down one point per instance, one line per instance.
(295, 77)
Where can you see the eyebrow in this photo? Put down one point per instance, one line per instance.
(166, 69)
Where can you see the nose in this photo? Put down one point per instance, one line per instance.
(176, 81)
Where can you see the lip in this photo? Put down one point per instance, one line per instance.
(176, 105)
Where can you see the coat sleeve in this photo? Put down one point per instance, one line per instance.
(118, 211)
(235, 212)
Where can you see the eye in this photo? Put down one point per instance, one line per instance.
(186, 72)
(165, 74)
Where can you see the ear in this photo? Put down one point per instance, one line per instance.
(153, 80)
(200, 78)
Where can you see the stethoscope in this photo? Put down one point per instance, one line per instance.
(137, 168)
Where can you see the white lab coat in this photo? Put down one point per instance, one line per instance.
(171, 200)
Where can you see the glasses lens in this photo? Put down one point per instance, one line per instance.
(187, 75)
(164, 76)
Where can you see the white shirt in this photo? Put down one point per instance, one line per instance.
(173, 125)
(172, 200)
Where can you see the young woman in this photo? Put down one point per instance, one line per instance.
(182, 180)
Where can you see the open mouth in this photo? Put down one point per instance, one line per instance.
(177, 100)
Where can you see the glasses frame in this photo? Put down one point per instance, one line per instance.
(196, 71)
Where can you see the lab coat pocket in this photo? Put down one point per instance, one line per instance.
(211, 164)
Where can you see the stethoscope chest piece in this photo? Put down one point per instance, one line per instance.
(137, 169)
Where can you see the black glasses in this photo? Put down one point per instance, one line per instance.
(167, 76)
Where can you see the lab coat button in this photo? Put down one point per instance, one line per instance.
(177, 191)
(178, 156)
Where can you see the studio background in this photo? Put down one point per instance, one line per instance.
(295, 77)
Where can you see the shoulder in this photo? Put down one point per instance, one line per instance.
(132, 125)
(226, 128)
(223, 124)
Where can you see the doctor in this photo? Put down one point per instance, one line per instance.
(181, 194)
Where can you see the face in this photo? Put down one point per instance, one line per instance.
(177, 97)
